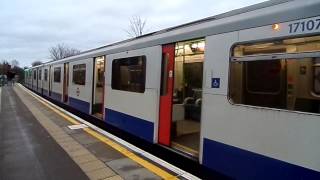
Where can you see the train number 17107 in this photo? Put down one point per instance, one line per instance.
(302, 26)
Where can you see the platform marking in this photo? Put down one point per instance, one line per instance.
(153, 168)
(77, 126)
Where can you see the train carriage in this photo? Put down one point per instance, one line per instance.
(239, 92)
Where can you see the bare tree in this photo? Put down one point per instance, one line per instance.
(136, 27)
(61, 51)
(36, 63)
(14, 63)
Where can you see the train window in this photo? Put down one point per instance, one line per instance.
(288, 82)
(46, 74)
(263, 77)
(79, 74)
(34, 75)
(129, 74)
(40, 74)
(57, 74)
(164, 74)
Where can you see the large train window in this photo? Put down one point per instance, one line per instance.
(57, 74)
(129, 74)
(282, 74)
(79, 74)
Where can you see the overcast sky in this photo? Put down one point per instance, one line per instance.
(30, 27)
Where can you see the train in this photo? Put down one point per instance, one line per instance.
(239, 91)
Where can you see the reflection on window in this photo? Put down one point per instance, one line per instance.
(57, 74)
(292, 84)
(263, 77)
(79, 74)
(46, 74)
(129, 74)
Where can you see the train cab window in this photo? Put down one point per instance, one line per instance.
(79, 74)
(283, 74)
(46, 74)
(57, 74)
(129, 74)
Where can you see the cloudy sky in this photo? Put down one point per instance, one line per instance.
(30, 27)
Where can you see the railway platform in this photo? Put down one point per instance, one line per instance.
(39, 140)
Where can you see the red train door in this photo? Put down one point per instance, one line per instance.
(166, 91)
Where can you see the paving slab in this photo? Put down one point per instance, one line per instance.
(102, 173)
(130, 170)
(104, 152)
(84, 139)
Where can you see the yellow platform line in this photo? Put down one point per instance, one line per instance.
(151, 167)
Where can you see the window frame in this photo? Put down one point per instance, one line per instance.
(267, 57)
(144, 70)
(78, 70)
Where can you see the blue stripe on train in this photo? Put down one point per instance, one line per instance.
(55, 96)
(133, 125)
(80, 105)
(242, 164)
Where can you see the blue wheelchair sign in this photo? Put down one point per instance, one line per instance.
(215, 83)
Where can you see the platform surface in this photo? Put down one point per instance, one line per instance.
(36, 142)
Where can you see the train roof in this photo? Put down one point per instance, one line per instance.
(244, 18)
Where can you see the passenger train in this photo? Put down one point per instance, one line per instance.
(239, 91)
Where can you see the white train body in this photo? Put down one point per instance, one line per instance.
(241, 135)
